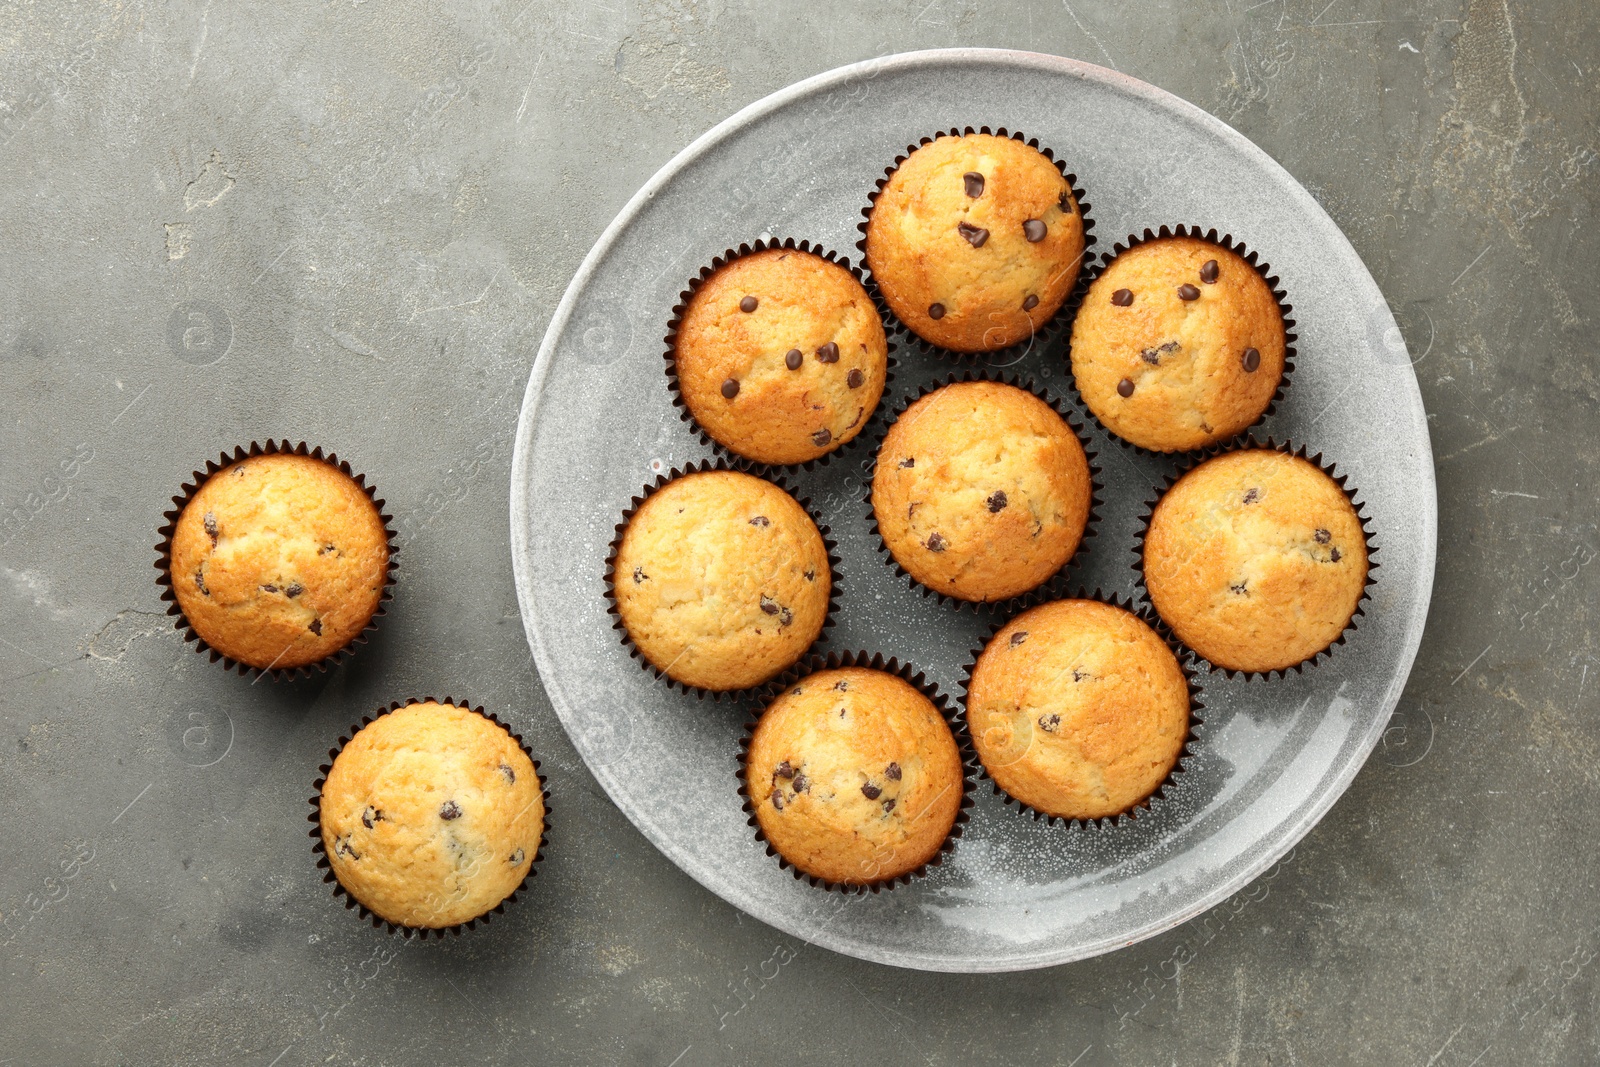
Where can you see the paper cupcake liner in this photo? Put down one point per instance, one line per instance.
(164, 558)
(1229, 243)
(1157, 797)
(1249, 443)
(671, 350)
(1090, 526)
(1053, 326)
(367, 914)
(720, 463)
(876, 661)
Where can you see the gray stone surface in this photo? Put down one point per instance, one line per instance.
(349, 222)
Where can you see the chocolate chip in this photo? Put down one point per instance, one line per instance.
(822, 437)
(870, 791)
(936, 311)
(859, 412)
(1208, 272)
(855, 379)
(1334, 555)
(1122, 298)
(936, 542)
(892, 772)
(269, 588)
(761, 520)
(888, 805)
(793, 358)
(1238, 588)
(811, 576)
(996, 501)
(639, 575)
(974, 182)
(801, 783)
(777, 800)
(510, 775)
(449, 810)
(769, 605)
(785, 617)
(1153, 355)
(1034, 231)
(908, 462)
(730, 389)
(975, 235)
(1050, 723)
(1125, 388)
(1252, 495)
(1018, 637)
(1188, 292)
(828, 353)
(1030, 302)
(342, 847)
(518, 856)
(1322, 536)
(1250, 360)
(784, 770)
(210, 522)
(1078, 676)
(1064, 201)
(315, 626)
(748, 304)
(843, 685)
(295, 589)
(370, 815)
(325, 549)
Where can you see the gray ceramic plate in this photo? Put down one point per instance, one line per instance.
(598, 423)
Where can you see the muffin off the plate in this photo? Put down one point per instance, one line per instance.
(279, 560)
(431, 815)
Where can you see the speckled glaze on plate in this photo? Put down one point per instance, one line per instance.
(598, 421)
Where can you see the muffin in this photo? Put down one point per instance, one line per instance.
(1256, 559)
(982, 491)
(854, 776)
(1078, 709)
(780, 356)
(721, 580)
(975, 241)
(431, 815)
(1179, 344)
(279, 560)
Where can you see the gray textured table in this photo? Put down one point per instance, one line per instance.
(349, 222)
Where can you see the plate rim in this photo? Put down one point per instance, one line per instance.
(1289, 834)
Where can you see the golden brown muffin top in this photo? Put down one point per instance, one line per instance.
(279, 560)
(1256, 559)
(1078, 709)
(781, 356)
(722, 580)
(982, 491)
(854, 775)
(1162, 347)
(431, 815)
(975, 241)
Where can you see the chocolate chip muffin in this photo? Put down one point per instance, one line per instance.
(975, 241)
(1078, 709)
(431, 815)
(780, 356)
(721, 580)
(854, 776)
(1256, 559)
(982, 491)
(1179, 344)
(279, 560)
